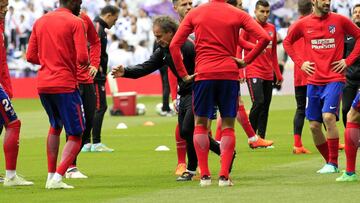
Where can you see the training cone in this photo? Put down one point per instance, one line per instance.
(162, 148)
(121, 126)
(149, 123)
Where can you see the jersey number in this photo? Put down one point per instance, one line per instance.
(6, 104)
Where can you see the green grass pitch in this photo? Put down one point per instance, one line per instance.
(136, 173)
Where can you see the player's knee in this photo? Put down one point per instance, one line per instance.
(315, 126)
(353, 116)
(329, 119)
(14, 124)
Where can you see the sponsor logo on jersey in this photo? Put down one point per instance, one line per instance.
(323, 43)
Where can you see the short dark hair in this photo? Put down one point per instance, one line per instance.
(175, 1)
(64, 2)
(109, 9)
(304, 7)
(166, 23)
(263, 3)
(232, 2)
(356, 5)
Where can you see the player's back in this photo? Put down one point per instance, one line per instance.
(216, 26)
(57, 36)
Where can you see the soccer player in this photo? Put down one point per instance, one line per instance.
(253, 140)
(260, 73)
(181, 7)
(216, 26)
(304, 8)
(164, 29)
(57, 43)
(323, 33)
(8, 116)
(87, 89)
(352, 113)
(352, 83)
(108, 16)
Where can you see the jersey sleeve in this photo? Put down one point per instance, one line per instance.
(275, 61)
(80, 40)
(94, 41)
(32, 53)
(294, 34)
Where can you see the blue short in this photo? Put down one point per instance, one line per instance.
(323, 99)
(356, 102)
(208, 94)
(7, 111)
(66, 110)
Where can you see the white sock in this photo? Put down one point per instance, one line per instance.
(57, 177)
(10, 174)
(253, 138)
(192, 172)
(50, 176)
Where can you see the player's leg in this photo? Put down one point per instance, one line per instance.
(314, 114)
(12, 125)
(186, 125)
(332, 96)
(352, 136)
(180, 152)
(227, 102)
(349, 94)
(72, 115)
(203, 103)
(299, 118)
(264, 114)
(101, 106)
(255, 86)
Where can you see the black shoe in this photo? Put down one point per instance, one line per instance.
(232, 161)
(186, 176)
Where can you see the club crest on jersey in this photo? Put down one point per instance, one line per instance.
(332, 29)
(271, 34)
(254, 80)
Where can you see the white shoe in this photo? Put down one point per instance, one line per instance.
(223, 182)
(205, 181)
(328, 168)
(17, 181)
(74, 173)
(99, 147)
(52, 184)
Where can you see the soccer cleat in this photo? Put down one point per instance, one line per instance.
(52, 184)
(99, 147)
(225, 182)
(17, 181)
(347, 178)
(260, 143)
(74, 173)
(180, 169)
(86, 148)
(328, 168)
(300, 150)
(186, 176)
(205, 181)
(341, 146)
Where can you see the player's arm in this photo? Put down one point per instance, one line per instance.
(250, 26)
(173, 84)
(95, 47)
(5, 76)
(154, 63)
(275, 62)
(184, 30)
(244, 44)
(32, 53)
(80, 41)
(352, 30)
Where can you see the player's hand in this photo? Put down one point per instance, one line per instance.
(308, 67)
(339, 66)
(176, 108)
(118, 71)
(239, 62)
(279, 82)
(92, 72)
(189, 78)
(242, 80)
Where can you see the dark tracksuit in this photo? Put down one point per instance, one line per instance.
(99, 81)
(352, 79)
(158, 59)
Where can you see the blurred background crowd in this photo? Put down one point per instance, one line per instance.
(131, 37)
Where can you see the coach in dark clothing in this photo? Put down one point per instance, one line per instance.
(352, 84)
(108, 16)
(164, 29)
